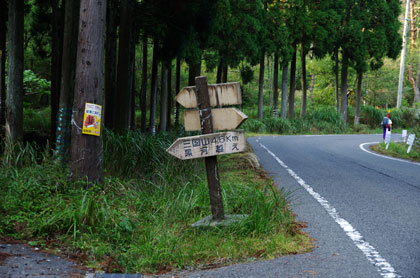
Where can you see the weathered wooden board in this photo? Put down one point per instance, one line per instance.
(220, 95)
(222, 119)
(208, 145)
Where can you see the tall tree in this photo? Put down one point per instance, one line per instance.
(14, 98)
(56, 56)
(143, 97)
(164, 97)
(86, 150)
(122, 101)
(261, 87)
(359, 97)
(177, 88)
(111, 62)
(276, 86)
(284, 83)
(344, 71)
(3, 29)
(292, 88)
(303, 52)
(153, 89)
(170, 96)
(68, 70)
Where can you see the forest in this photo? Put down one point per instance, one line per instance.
(305, 67)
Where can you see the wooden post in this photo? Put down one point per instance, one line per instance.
(213, 180)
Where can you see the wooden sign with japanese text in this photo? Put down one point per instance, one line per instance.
(220, 95)
(208, 145)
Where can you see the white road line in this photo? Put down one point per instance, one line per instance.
(362, 147)
(383, 267)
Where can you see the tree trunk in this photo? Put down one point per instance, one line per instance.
(337, 85)
(359, 97)
(56, 56)
(284, 80)
(269, 76)
(122, 102)
(111, 62)
(163, 97)
(71, 26)
(413, 28)
(170, 97)
(261, 86)
(292, 85)
(415, 82)
(344, 70)
(311, 87)
(194, 70)
(86, 150)
(225, 73)
(304, 82)
(153, 89)
(177, 88)
(219, 72)
(276, 86)
(14, 98)
(131, 70)
(132, 78)
(143, 101)
(3, 28)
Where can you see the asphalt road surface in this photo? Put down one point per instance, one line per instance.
(362, 209)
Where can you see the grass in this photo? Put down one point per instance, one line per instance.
(140, 219)
(397, 150)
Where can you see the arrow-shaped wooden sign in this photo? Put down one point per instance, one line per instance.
(222, 118)
(220, 95)
(208, 145)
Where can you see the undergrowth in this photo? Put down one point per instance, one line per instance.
(139, 219)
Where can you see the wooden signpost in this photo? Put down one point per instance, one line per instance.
(219, 95)
(222, 119)
(209, 145)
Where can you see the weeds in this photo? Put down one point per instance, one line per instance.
(140, 219)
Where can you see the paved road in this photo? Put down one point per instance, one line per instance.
(363, 210)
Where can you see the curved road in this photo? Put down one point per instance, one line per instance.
(362, 209)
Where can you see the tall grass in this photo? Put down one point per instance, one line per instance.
(140, 219)
(321, 120)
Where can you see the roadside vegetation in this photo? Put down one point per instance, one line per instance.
(399, 149)
(140, 219)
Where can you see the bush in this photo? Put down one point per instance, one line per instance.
(253, 125)
(351, 113)
(409, 118)
(371, 116)
(325, 120)
(37, 121)
(278, 125)
(36, 89)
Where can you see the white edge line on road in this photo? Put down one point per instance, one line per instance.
(362, 147)
(383, 267)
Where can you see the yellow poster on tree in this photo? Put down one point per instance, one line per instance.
(92, 119)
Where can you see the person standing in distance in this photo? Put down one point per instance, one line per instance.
(386, 124)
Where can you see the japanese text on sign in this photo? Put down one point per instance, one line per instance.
(92, 119)
(208, 145)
